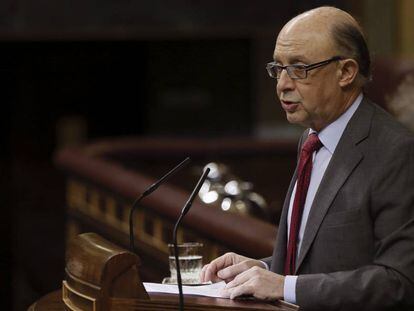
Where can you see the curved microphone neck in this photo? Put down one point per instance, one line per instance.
(147, 192)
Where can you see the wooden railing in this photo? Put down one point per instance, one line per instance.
(104, 178)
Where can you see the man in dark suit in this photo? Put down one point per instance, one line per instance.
(346, 234)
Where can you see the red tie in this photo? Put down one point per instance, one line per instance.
(304, 173)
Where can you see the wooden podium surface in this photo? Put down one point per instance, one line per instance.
(53, 302)
(101, 276)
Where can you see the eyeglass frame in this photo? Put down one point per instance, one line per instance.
(279, 69)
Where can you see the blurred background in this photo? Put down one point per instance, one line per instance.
(72, 72)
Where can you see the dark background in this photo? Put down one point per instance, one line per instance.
(75, 71)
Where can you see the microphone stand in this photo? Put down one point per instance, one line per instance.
(147, 192)
(184, 211)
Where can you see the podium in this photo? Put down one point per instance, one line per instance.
(101, 276)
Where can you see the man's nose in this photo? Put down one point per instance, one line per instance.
(285, 83)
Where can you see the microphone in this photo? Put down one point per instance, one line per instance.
(147, 192)
(184, 211)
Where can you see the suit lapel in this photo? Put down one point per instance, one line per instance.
(344, 160)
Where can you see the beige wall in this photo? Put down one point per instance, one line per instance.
(405, 26)
(389, 26)
(378, 18)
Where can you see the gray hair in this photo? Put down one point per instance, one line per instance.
(350, 41)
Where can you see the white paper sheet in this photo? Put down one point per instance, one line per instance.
(210, 290)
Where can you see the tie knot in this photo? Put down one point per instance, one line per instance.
(312, 143)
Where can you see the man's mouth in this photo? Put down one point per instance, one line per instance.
(289, 106)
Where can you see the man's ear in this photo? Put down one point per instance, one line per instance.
(348, 72)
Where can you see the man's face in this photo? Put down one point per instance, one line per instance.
(316, 100)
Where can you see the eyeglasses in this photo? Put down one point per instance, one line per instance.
(296, 71)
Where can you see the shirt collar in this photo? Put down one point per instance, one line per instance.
(330, 135)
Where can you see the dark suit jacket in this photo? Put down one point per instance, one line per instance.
(357, 251)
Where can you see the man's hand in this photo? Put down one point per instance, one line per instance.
(260, 283)
(227, 267)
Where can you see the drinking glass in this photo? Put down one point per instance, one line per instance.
(191, 262)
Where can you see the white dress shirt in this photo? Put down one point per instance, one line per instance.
(329, 136)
